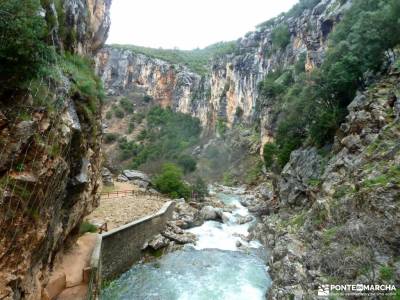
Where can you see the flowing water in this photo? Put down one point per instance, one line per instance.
(214, 268)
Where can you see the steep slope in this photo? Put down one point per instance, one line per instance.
(338, 218)
(50, 137)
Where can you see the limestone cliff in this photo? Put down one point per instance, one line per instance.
(50, 138)
(229, 91)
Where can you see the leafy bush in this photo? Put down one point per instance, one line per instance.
(228, 179)
(167, 136)
(87, 227)
(188, 163)
(126, 105)
(200, 188)
(119, 113)
(221, 127)
(386, 273)
(110, 137)
(108, 115)
(147, 98)
(170, 182)
(239, 112)
(23, 49)
(299, 67)
(128, 149)
(269, 154)
(280, 37)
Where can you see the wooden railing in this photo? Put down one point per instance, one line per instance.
(128, 193)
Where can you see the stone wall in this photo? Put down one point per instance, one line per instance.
(121, 247)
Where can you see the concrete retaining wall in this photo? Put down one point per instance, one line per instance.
(121, 247)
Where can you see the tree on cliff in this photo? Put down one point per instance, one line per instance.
(23, 50)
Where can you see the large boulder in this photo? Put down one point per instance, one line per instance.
(158, 242)
(211, 213)
(186, 216)
(136, 175)
(300, 175)
(107, 177)
(176, 234)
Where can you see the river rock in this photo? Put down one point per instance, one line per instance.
(186, 216)
(211, 213)
(243, 219)
(226, 217)
(176, 234)
(136, 175)
(158, 242)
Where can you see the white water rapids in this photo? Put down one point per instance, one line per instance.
(213, 268)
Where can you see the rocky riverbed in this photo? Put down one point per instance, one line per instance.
(209, 254)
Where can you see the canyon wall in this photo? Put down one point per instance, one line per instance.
(50, 138)
(229, 92)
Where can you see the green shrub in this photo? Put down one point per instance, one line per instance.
(126, 105)
(269, 154)
(221, 127)
(188, 163)
(299, 67)
(87, 227)
(128, 149)
(119, 113)
(23, 49)
(147, 99)
(239, 112)
(386, 273)
(110, 137)
(253, 173)
(167, 136)
(280, 37)
(228, 179)
(108, 115)
(170, 182)
(200, 188)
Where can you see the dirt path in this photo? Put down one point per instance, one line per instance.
(117, 211)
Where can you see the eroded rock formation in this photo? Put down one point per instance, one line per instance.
(50, 170)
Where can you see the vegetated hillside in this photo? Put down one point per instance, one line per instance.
(50, 133)
(196, 60)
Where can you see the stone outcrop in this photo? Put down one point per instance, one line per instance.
(50, 169)
(346, 224)
(299, 176)
(77, 25)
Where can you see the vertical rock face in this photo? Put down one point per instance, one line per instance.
(229, 91)
(80, 26)
(50, 158)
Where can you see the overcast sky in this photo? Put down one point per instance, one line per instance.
(188, 24)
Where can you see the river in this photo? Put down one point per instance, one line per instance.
(221, 265)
